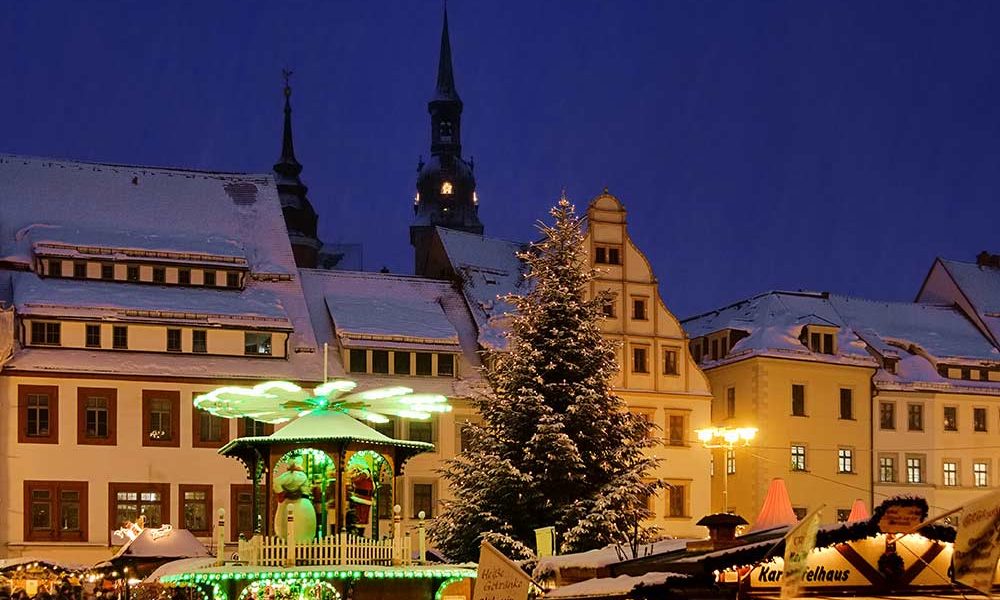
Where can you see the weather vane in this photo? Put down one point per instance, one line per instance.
(287, 74)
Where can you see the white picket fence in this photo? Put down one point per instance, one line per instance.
(340, 549)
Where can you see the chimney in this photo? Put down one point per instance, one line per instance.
(985, 259)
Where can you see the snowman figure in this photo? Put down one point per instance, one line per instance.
(294, 490)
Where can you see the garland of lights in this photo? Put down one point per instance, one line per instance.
(318, 575)
(281, 401)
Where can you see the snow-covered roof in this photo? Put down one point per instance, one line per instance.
(916, 335)
(162, 214)
(165, 543)
(380, 310)
(602, 557)
(20, 561)
(612, 586)
(490, 269)
(981, 285)
(256, 306)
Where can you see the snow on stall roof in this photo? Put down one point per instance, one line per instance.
(602, 557)
(613, 586)
(54, 296)
(490, 269)
(172, 543)
(178, 567)
(443, 316)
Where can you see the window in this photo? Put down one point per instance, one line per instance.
(979, 419)
(446, 365)
(199, 341)
(798, 400)
(161, 418)
(232, 279)
(208, 278)
(914, 469)
(607, 256)
(966, 373)
(715, 349)
(55, 268)
(423, 363)
(608, 309)
(93, 337)
(128, 501)
(38, 414)
(247, 427)
(980, 474)
(80, 270)
(847, 404)
(845, 460)
(819, 342)
(639, 360)
(887, 469)
(887, 415)
(196, 508)
(159, 275)
(359, 361)
(951, 418)
(798, 458)
(387, 429)
(119, 337)
(256, 344)
(173, 340)
(677, 500)
(107, 271)
(423, 499)
(380, 361)
(96, 416)
(464, 436)
(730, 461)
(670, 361)
(800, 512)
(676, 430)
(45, 333)
(730, 402)
(401, 363)
(421, 431)
(243, 521)
(950, 473)
(915, 417)
(601, 255)
(614, 256)
(56, 511)
(843, 514)
(210, 431)
(639, 309)
(184, 276)
(132, 272)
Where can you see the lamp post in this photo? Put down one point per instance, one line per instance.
(728, 438)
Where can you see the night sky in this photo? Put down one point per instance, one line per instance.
(833, 146)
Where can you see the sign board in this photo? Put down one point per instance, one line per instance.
(900, 518)
(977, 545)
(498, 578)
(545, 541)
(799, 542)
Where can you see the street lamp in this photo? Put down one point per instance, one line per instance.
(728, 438)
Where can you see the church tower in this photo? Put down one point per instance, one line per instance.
(300, 217)
(446, 186)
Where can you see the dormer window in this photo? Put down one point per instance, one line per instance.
(159, 275)
(80, 269)
(820, 339)
(132, 273)
(257, 344)
(184, 276)
(55, 268)
(446, 188)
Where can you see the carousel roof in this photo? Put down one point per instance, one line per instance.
(325, 426)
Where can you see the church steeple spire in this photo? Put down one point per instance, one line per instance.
(446, 76)
(300, 217)
(446, 186)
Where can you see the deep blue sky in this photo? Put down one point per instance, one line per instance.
(797, 145)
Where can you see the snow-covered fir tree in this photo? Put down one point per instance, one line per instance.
(557, 446)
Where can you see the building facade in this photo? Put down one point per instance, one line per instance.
(853, 398)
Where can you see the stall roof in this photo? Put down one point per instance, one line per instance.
(159, 543)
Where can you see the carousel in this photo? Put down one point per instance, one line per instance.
(317, 484)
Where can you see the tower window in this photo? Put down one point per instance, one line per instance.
(445, 130)
(446, 188)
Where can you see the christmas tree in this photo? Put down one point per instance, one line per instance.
(557, 446)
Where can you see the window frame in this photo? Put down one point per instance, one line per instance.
(55, 534)
(685, 497)
(159, 274)
(454, 364)
(47, 328)
(88, 329)
(133, 269)
(79, 265)
(209, 274)
(671, 366)
(640, 366)
(116, 487)
(881, 416)
(953, 422)
(921, 466)
(179, 334)
(418, 358)
(845, 461)
(893, 461)
(804, 412)
(731, 402)
(241, 426)
(850, 404)
(954, 473)
(985, 472)
(201, 348)
(640, 308)
(196, 429)
(174, 398)
(429, 513)
(432, 426)
(910, 412)
(235, 490)
(183, 276)
(115, 330)
(976, 412)
(182, 503)
(107, 271)
(799, 459)
(25, 390)
(262, 334)
(82, 395)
